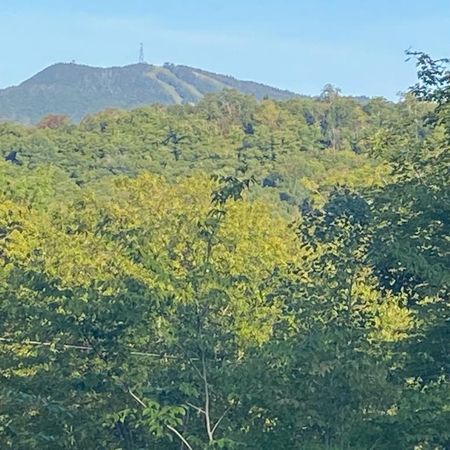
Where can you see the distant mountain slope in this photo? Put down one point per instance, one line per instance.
(76, 90)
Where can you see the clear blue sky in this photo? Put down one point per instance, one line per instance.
(357, 45)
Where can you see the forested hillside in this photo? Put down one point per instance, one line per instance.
(241, 273)
(294, 148)
(76, 90)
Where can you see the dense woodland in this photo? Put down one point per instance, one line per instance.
(235, 274)
(77, 90)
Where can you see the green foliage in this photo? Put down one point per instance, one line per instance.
(237, 274)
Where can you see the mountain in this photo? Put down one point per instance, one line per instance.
(76, 90)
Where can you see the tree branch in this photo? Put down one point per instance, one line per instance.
(207, 405)
(221, 418)
(200, 410)
(91, 348)
(136, 398)
(180, 436)
(172, 429)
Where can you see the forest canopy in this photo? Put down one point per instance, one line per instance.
(235, 274)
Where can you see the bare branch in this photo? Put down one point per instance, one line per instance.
(137, 398)
(221, 418)
(200, 410)
(207, 406)
(176, 432)
(90, 348)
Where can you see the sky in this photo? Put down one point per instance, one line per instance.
(356, 45)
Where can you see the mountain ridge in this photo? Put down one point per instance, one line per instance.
(76, 90)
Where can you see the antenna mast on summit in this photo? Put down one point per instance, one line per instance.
(141, 54)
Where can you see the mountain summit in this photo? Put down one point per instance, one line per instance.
(76, 90)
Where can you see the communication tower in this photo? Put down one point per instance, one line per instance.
(141, 54)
